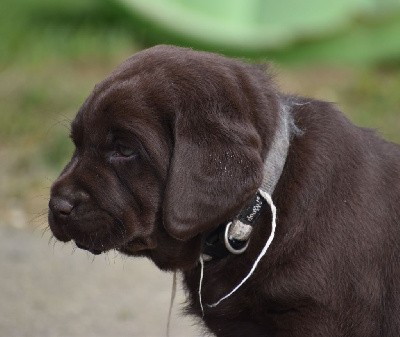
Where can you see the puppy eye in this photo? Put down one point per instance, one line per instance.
(125, 151)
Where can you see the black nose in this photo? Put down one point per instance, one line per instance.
(61, 207)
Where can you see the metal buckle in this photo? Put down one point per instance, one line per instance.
(228, 244)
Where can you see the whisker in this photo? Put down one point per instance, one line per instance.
(115, 255)
(50, 241)
(107, 258)
(49, 180)
(38, 216)
(45, 230)
(73, 250)
(39, 196)
(65, 123)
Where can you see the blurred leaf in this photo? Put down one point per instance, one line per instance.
(367, 42)
(269, 27)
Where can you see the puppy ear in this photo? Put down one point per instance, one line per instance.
(215, 169)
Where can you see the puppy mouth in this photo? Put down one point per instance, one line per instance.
(133, 246)
(100, 242)
(91, 250)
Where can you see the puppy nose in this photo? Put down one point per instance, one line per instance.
(60, 206)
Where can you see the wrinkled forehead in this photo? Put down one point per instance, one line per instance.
(138, 103)
(162, 79)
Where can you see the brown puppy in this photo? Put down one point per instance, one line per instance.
(174, 144)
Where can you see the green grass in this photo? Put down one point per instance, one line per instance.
(52, 54)
(33, 31)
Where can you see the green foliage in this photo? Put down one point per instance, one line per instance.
(36, 31)
(365, 43)
(290, 31)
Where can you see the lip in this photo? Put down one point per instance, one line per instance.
(91, 250)
(132, 246)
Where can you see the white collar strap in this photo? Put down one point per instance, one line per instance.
(273, 167)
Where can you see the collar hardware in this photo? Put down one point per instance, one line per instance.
(235, 245)
(233, 237)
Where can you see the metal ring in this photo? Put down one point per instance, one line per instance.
(228, 244)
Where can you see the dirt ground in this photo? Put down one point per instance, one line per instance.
(52, 290)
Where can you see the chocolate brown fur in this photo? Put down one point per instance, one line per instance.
(198, 127)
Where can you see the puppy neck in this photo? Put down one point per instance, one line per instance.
(238, 230)
(233, 237)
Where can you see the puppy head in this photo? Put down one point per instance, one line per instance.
(168, 147)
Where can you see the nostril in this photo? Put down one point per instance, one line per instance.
(61, 207)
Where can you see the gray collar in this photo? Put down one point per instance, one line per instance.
(276, 157)
(236, 234)
(273, 167)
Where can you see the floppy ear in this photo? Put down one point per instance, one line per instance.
(215, 169)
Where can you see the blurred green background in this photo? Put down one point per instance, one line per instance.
(51, 55)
